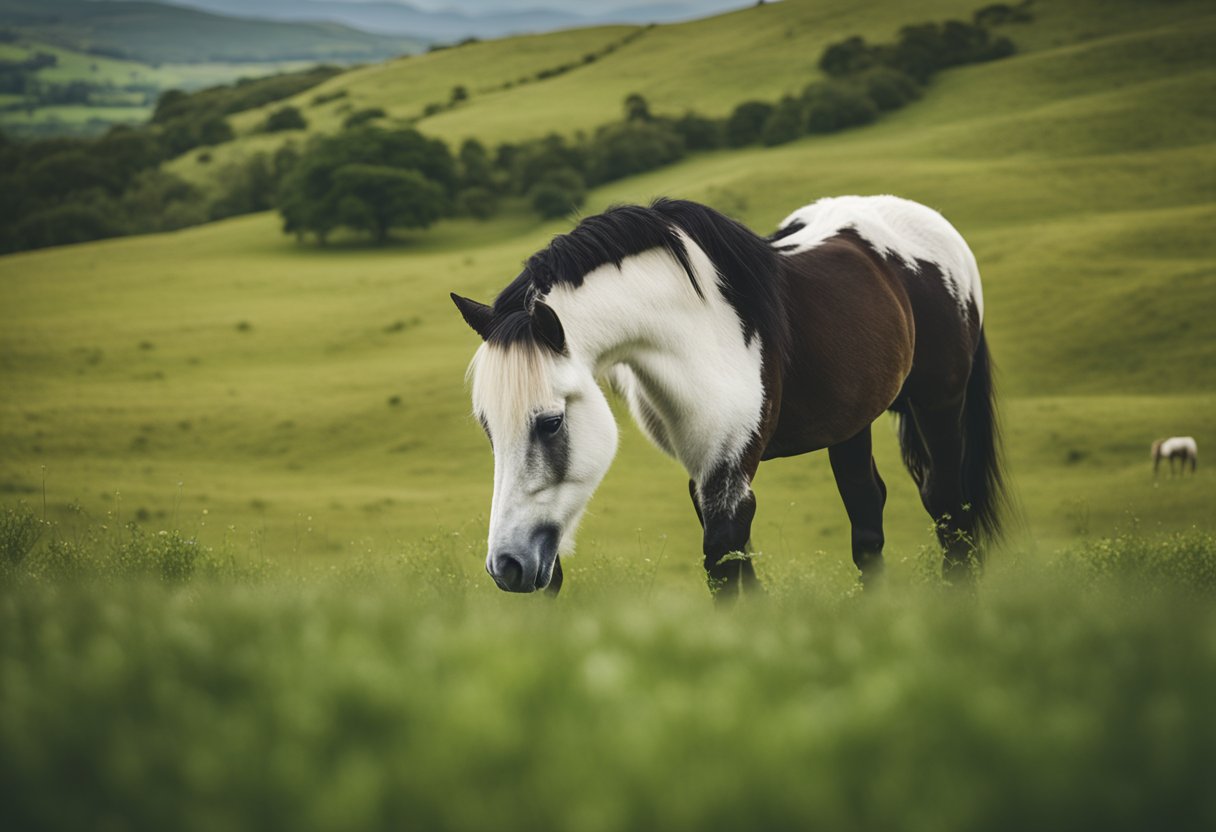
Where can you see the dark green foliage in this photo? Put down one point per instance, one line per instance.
(64, 224)
(698, 132)
(183, 134)
(636, 108)
(785, 123)
(630, 147)
(363, 116)
(1001, 14)
(835, 105)
(159, 201)
(245, 94)
(848, 57)
(459, 93)
(534, 160)
(317, 197)
(245, 188)
(557, 193)
(476, 169)
(888, 88)
(325, 98)
(920, 51)
(477, 202)
(376, 199)
(285, 118)
(746, 123)
(72, 170)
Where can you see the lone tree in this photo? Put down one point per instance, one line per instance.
(369, 179)
(636, 108)
(375, 199)
(459, 93)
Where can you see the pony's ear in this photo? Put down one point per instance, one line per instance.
(547, 327)
(477, 315)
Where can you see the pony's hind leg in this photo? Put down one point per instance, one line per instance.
(941, 490)
(864, 494)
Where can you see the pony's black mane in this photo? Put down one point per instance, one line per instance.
(746, 263)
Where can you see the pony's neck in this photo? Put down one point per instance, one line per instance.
(680, 358)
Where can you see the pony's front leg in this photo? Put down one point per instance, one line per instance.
(727, 530)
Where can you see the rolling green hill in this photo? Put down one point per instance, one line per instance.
(302, 636)
(314, 397)
(155, 33)
(132, 87)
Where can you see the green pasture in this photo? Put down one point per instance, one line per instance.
(168, 688)
(298, 633)
(316, 395)
(95, 69)
(81, 66)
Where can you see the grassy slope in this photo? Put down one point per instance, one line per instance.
(708, 65)
(1082, 206)
(81, 66)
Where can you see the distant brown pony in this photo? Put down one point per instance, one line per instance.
(1181, 448)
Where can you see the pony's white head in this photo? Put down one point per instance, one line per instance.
(552, 433)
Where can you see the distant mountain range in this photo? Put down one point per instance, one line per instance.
(392, 18)
(157, 33)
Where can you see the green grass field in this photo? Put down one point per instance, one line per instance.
(95, 69)
(339, 659)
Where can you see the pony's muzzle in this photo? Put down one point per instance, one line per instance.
(529, 568)
(512, 572)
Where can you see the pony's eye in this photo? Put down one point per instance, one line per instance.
(549, 425)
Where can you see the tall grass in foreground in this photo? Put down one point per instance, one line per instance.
(400, 690)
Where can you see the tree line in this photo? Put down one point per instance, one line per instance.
(373, 179)
(356, 179)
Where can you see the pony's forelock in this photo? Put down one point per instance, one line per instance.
(510, 382)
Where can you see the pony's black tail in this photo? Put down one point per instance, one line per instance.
(984, 488)
(984, 484)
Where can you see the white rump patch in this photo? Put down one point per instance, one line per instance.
(894, 227)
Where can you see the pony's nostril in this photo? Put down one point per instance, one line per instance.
(510, 572)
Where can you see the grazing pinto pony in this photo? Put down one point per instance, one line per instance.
(732, 349)
(1182, 448)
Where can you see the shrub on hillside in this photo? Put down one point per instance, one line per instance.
(835, 105)
(477, 202)
(285, 118)
(316, 198)
(244, 188)
(630, 147)
(1000, 14)
(558, 193)
(184, 134)
(364, 116)
(889, 88)
(65, 224)
(637, 108)
(785, 123)
(377, 199)
(698, 132)
(746, 124)
(534, 160)
(476, 168)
